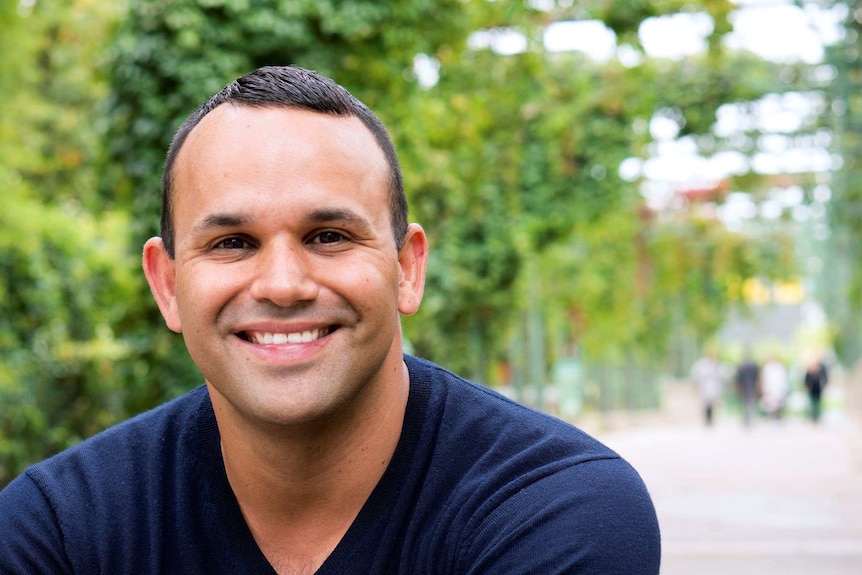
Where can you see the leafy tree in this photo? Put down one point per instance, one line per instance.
(67, 272)
(515, 161)
(501, 175)
(840, 284)
(66, 278)
(54, 87)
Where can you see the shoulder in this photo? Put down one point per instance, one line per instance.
(101, 490)
(141, 437)
(594, 517)
(475, 415)
(117, 465)
(103, 459)
(531, 489)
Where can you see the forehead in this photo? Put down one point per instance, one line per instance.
(250, 130)
(279, 150)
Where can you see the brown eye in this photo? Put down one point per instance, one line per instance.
(232, 244)
(328, 237)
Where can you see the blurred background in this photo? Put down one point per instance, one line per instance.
(611, 190)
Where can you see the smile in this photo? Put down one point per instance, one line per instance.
(267, 338)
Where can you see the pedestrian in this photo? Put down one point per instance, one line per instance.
(315, 444)
(707, 374)
(816, 378)
(775, 385)
(747, 384)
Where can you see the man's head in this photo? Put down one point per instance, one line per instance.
(290, 87)
(284, 275)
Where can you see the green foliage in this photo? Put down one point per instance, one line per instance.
(593, 281)
(702, 267)
(841, 283)
(531, 144)
(66, 274)
(496, 175)
(64, 287)
(52, 90)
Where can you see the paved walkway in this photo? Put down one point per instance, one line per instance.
(779, 498)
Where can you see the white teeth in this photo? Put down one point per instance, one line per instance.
(267, 338)
(294, 338)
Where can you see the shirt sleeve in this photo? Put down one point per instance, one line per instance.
(30, 537)
(593, 518)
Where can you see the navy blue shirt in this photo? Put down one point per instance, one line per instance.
(478, 484)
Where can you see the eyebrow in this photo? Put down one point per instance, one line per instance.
(215, 221)
(319, 216)
(323, 216)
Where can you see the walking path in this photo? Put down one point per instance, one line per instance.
(779, 498)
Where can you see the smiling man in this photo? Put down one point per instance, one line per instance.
(315, 445)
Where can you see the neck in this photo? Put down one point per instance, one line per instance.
(318, 456)
(302, 487)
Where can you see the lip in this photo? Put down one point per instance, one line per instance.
(275, 342)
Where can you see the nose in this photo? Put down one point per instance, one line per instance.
(284, 276)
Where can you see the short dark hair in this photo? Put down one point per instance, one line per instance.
(290, 87)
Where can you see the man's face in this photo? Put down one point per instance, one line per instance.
(286, 282)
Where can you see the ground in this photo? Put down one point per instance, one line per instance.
(781, 497)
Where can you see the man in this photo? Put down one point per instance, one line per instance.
(815, 379)
(315, 446)
(708, 374)
(775, 385)
(747, 384)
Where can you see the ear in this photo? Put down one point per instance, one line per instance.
(160, 270)
(412, 258)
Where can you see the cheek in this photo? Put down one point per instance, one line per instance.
(369, 286)
(201, 295)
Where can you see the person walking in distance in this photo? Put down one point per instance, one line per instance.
(816, 378)
(747, 383)
(708, 375)
(775, 385)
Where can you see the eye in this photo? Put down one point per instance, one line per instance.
(328, 237)
(232, 243)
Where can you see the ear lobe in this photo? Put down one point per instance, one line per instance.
(159, 268)
(413, 259)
